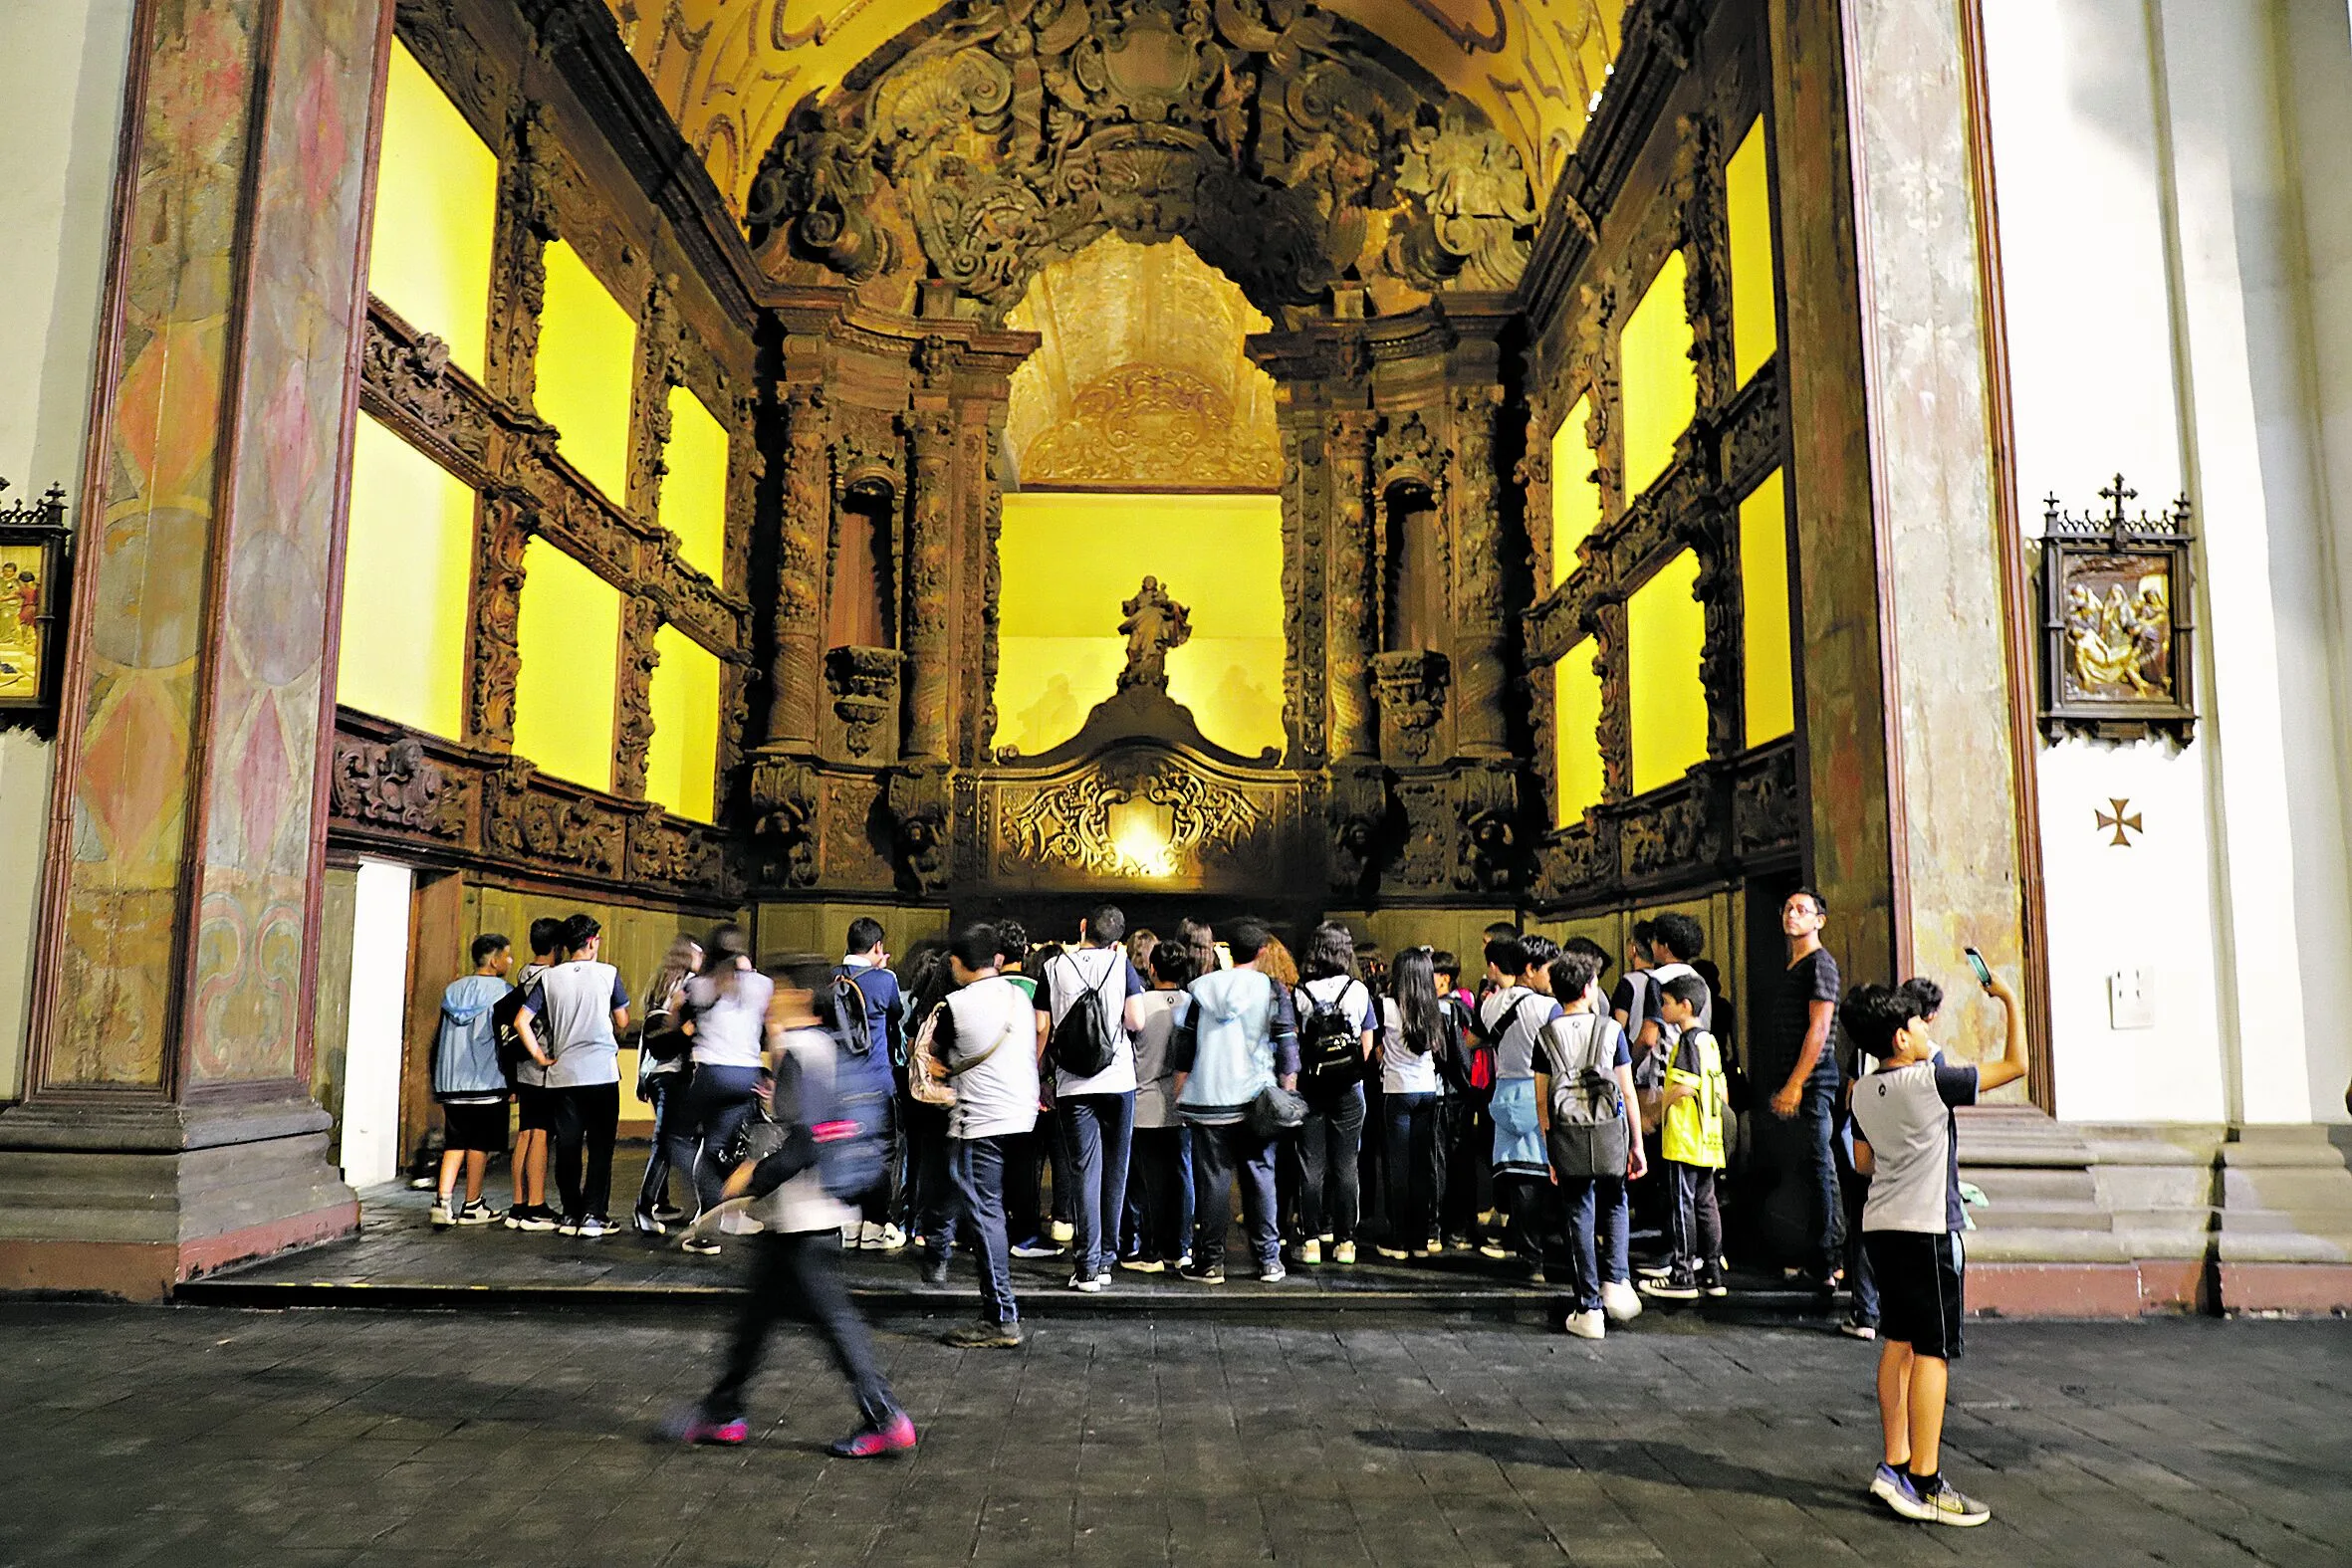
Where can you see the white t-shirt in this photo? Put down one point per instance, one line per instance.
(1527, 1011)
(1114, 980)
(730, 1028)
(572, 1007)
(994, 1017)
(1402, 1070)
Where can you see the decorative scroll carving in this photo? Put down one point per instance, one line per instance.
(664, 850)
(633, 738)
(526, 222)
(408, 377)
(495, 655)
(394, 785)
(650, 415)
(1412, 688)
(1259, 132)
(1134, 817)
(1305, 495)
(863, 683)
(1479, 721)
(1353, 626)
(1614, 732)
(929, 550)
(1579, 865)
(992, 594)
(1721, 656)
(808, 500)
(1426, 840)
(1674, 834)
(1355, 810)
(1768, 806)
(917, 798)
(1409, 450)
(784, 825)
(1148, 425)
(1490, 814)
(559, 831)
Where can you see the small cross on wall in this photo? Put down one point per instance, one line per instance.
(2123, 819)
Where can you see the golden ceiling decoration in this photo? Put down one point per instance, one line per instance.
(1140, 379)
(731, 71)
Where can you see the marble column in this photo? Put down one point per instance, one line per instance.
(167, 1126)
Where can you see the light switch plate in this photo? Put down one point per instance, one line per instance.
(2131, 999)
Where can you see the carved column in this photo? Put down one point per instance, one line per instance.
(930, 545)
(1354, 603)
(518, 258)
(1305, 492)
(794, 677)
(633, 698)
(1482, 676)
(650, 399)
(494, 652)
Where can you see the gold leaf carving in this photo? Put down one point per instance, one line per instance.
(1146, 425)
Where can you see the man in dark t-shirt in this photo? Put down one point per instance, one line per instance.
(1796, 1061)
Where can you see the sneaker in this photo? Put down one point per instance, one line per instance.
(894, 1434)
(1460, 1243)
(1089, 1283)
(477, 1212)
(1620, 1300)
(443, 1216)
(1893, 1488)
(1673, 1287)
(1214, 1274)
(1588, 1326)
(646, 1224)
(1344, 1252)
(893, 1241)
(571, 1223)
(1102, 1279)
(668, 1214)
(869, 1236)
(1435, 1248)
(1144, 1265)
(1654, 1270)
(1326, 1237)
(934, 1270)
(700, 1246)
(1184, 1262)
(726, 1433)
(1310, 1251)
(983, 1335)
(1396, 1252)
(1035, 1247)
(515, 1216)
(537, 1218)
(1950, 1505)
(1494, 1249)
(1273, 1274)
(595, 1228)
(1064, 1232)
(1855, 1328)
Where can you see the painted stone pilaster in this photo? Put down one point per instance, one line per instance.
(1352, 629)
(929, 554)
(1482, 676)
(792, 678)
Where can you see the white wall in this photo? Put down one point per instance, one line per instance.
(370, 1151)
(2158, 323)
(69, 61)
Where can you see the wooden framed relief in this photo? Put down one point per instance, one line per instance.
(2118, 649)
(34, 543)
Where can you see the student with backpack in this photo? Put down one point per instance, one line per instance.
(829, 1149)
(663, 1070)
(534, 1105)
(727, 1011)
(1413, 1037)
(1694, 1098)
(1089, 1005)
(1512, 1016)
(1234, 1050)
(1584, 1103)
(469, 1084)
(867, 996)
(1336, 1029)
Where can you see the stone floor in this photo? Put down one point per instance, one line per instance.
(185, 1434)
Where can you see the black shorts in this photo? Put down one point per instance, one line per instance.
(537, 1107)
(470, 1127)
(1919, 1290)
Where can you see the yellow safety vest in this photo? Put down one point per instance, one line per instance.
(1693, 1127)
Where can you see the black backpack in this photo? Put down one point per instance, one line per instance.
(1330, 1047)
(1082, 1043)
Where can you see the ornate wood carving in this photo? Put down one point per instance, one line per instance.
(394, 785)
(930, 545)
(1355, 811)
(1305, 494)
(1076, 824)
(917, 798)
(1412, 690)
(411, 385)
(526, 222)
(863, 685)
(784, 800)
(1013, 137)
(640, 619)
(524, 819)
(650, 415)
(796, 621)
(1483, 674)
(1354, 600)
(494, 653)
(1615, 730)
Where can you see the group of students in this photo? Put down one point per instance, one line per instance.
(1152, 1089)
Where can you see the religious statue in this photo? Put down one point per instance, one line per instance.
(1154, 624)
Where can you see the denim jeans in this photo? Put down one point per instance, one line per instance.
(665, 1092)
(1099, 1129)
(1219, 1152)
(1597, 1222)
(799, 1277)
(1160, 1193)
(925, 1195)
(1815, 1156)
(977, 1167)
(1859, 1278)
(1327, 1144)
(1411, 1167)
(714, 1107)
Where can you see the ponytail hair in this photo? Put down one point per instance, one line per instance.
(727, 944)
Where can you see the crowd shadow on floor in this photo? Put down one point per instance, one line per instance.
(1666, 1464)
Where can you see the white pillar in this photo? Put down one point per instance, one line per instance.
(370, 1153)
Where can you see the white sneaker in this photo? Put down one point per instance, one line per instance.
(869, 1236)
(1588, 1325)
(443, 1214)
(893, 1239)
(1086, 1283)
(1620, 1301)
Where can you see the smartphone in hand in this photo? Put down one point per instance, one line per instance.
(1977, 963)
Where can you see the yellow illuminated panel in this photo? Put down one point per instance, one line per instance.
(1755, 328)
(1661, 384)
(1666, 633)
(588, 355)
(569, 633)
(1765, 636)
(1576, 494)
(1070, 560)
(1575, 723)
(683, 765)
(436, 196)
(407, 564)
(694, 491)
